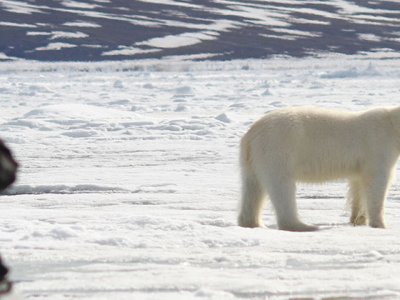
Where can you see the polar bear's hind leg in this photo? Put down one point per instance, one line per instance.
(251, 205)
(355, 200)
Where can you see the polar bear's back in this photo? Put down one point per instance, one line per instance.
(315, 144)
(295, 125)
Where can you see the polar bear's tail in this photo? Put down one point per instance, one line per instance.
(250, 211)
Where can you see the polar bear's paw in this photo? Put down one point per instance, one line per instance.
(377, 224)
(360, 220)
(298, 227)
(250, 222)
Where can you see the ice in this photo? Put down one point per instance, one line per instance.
(53, 35)
(55, 46)
(129, 182)
(181, 40)
(82, 24)
(67, 35)
(297, 33)
(208, 32)
(11, 24)
(129, 51)
(353, 72)
(60, 189)
(3, 56)
(19, 7)
(79, 5)
(183, 90)
(223, 118)
(172, 3)
(369, 37)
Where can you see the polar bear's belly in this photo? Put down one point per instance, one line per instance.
(321, 169)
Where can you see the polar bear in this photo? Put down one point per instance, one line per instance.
(309, 144)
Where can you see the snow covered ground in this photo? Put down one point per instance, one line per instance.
(129, 182)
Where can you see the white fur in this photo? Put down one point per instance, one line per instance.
(316, 145)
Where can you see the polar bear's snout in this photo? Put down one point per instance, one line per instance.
(8, 167)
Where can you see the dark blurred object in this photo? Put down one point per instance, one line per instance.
(8, 171)
(5, 285)
(8, 167)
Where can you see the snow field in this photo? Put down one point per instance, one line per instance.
(129, 183)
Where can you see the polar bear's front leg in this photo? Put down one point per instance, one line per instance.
(375, 193)
(355, 200)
